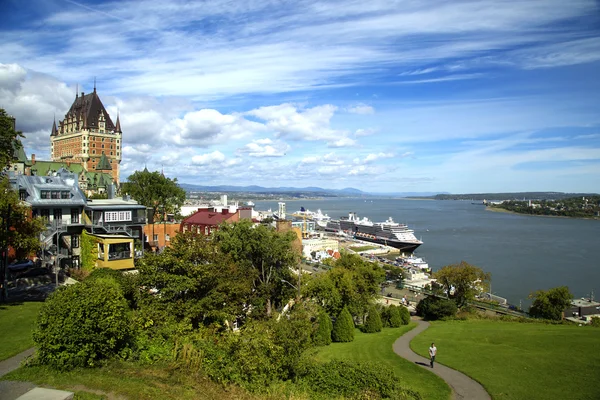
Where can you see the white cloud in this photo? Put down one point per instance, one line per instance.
(372, 157)
(342, 142)
(365, 132)
(265, 148)
(362, 109)
(208, 158)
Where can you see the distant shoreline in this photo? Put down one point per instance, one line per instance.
(498, 209)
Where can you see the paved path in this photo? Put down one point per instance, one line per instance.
(462, 386)
(10, 364)
(10, 390)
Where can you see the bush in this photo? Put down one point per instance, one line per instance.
(391, 317)
(81, 324)
(433, 308)
(373, 322)
(324, 328)
(125, 281)
(404, 315)
(360, 380)
(343, 328)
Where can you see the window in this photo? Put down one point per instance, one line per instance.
(114, 216)
(74, 215)
(75, 261)
(167, 237)
(22, 195)
(55, 195)
(45, 194)
(57, 214)
(93, 151)
(155, 238)
(65, 195)
(102, 146)
(75, 241)
(45, 213)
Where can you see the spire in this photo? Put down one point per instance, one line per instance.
(145, 168)
(94, 84)
(118, 126)
(103, 164)
(54, 130)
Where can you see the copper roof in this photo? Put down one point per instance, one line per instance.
(88, 108)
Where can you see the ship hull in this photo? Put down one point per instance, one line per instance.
(406, 247)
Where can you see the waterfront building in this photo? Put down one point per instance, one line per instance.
(205, 221)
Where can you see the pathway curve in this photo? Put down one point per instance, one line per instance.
(462, 386)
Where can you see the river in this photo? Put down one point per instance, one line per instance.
(523, 253)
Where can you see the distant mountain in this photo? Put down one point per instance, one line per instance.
(512, 196)
(260, 189)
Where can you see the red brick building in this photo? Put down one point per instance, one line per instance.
(205, 221)
(88, 136)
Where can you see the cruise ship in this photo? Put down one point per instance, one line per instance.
(388, 233)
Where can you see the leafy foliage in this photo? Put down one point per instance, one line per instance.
(362, 380)
(324, 328)
(462, 281)
(89, 251)
(404, 315)
(550, 304)
(23, 235)
(264, 255)
(9, 139)
(192, 281)
(373, 322)
(393, 316)
(81, 324)
(343, 328)
(595, 322)
(352, 282)
(433, 308)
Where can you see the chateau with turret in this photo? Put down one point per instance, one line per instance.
(87, 135)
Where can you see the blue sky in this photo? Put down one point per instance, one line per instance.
(384, 96)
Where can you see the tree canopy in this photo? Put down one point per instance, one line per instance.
(550, 304)
(265, 255)
(155, 191)
(462, 281)
(9, 138)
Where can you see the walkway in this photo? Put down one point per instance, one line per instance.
(462, 386)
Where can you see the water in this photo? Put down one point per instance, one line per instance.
(523, 253)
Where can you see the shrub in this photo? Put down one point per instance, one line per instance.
(433, 308)
(373, 322)
(385, 316)
(81, 324)
(324, 328)
(127, 282)
(353, 380)
(343, 328)
(595, 322)
(404, 315)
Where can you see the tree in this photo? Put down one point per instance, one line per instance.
(324, 328)
(373, 322)
(352, 282)
(265, 254)
(9, 139)
(462, 281)
(194, 282)
(432, 308)
(157, 192)
(550, 304)
(404, 315)
(82, 323)
(343, 328)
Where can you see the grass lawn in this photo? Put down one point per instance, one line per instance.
(16, 322)
(130, 381)
(377, 347)
(358, 249)
(519, 360)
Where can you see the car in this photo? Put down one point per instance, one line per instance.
(20, 265)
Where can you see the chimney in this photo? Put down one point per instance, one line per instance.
(225, 211)
(33, 159)
(81, 94)
(68, 163)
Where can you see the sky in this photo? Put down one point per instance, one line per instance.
(383, 96)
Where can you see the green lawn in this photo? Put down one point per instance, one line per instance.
(16, 323)
(359, 249)
(519, 360)
(377, 347)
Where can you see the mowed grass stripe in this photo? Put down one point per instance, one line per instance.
(377, 347)
(519, 360)
(16, 324)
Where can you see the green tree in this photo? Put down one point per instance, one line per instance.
(81, 324)
(194, 282)
(432, 308)
(9, 139)
(404, 315)
(462, 281)
(343, 328)
(373, 322)
(265, 254)
(160, 194)
(352, 283)
(89, 251)
(550, 304)
(24, 232)
(324, 328)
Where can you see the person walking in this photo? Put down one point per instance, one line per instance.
(432, 353)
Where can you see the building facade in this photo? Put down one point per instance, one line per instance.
(86, 134)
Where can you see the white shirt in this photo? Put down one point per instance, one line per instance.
(432, 351)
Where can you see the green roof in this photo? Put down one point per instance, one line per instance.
(19, 152)
(42, 167)
(103, 164)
